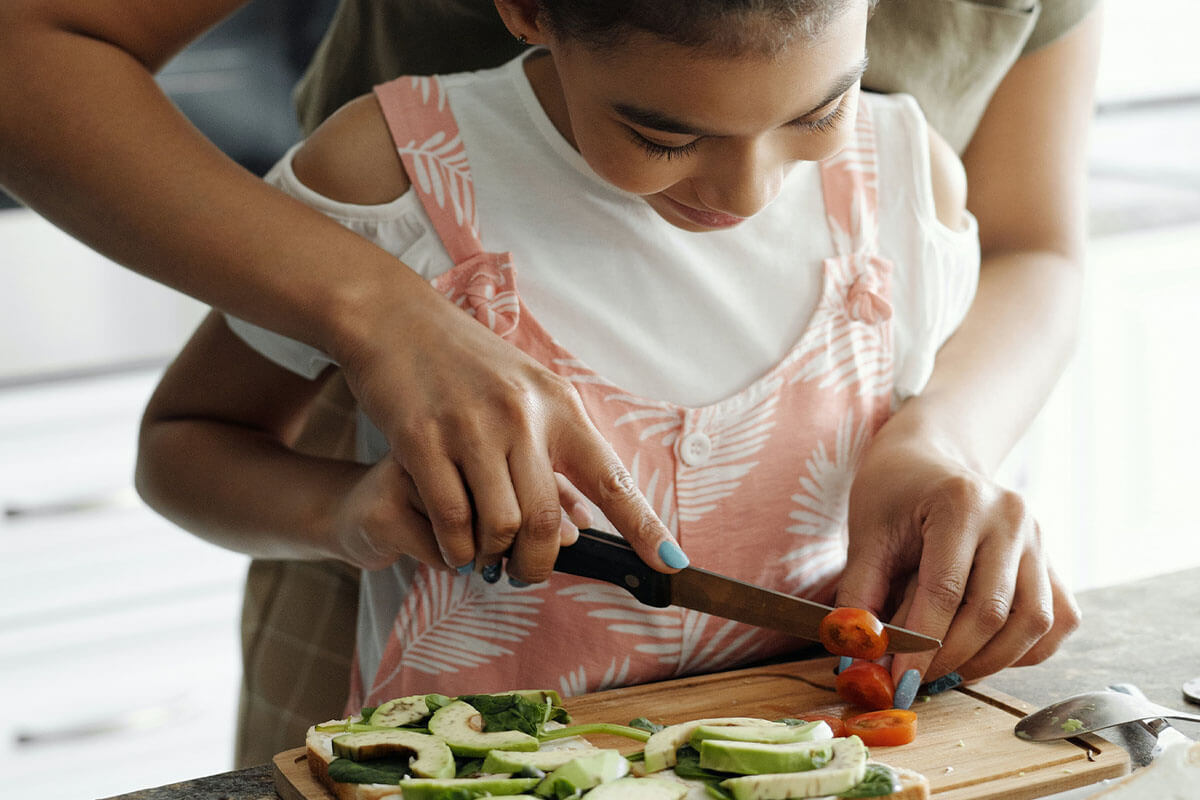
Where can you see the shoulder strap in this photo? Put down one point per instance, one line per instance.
(426, 136)
(849, 183)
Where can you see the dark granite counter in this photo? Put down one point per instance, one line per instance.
(1145, 632)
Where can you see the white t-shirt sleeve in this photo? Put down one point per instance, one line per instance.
(400, 227)
(937, 266)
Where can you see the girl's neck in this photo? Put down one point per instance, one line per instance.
(543, 79)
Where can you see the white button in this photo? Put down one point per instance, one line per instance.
(695, 448)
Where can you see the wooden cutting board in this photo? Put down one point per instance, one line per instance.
(965, 744)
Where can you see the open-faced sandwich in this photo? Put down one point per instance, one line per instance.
(520, 744)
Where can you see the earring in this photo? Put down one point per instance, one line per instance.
(522, 39)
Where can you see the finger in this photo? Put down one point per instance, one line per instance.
(941, 582)
(866, 582)
(1067, 617)
(447, 506)
(497, 510)
(573, 502)
(537, 491)
(1031, 617)
(590, 463)
(421, 542)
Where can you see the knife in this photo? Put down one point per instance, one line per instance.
(606, 557)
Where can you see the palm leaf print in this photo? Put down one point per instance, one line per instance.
(820, 513)
(453, 621)
(576, 682)
(658, 419)
(709, 644)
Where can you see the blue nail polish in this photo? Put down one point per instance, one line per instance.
(906, 689)
(516, 582)
(671, 555)
(942, 684)
(491, 573)
(843, 662)
(466, 568)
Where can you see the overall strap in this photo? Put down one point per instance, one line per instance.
(849, 183)
(426, 137)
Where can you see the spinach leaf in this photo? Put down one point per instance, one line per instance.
(377, 770)
(469, 768)
(367, 712)
(435, 701)
(646, 725)
(512, 712)
(687, 765)
(878, 781)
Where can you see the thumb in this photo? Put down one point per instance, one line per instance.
(866, 582)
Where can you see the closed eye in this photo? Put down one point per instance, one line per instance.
(828, 121)
(657, 150)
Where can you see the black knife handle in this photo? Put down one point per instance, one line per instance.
(604, 557)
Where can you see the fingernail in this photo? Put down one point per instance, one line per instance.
(942, 684)
(843, 662)
(906, 688)
(580, 516)
(466, 568)
(491, 573)
(517, 582)
(671, 555)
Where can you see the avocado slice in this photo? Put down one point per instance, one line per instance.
(459, 725)
(463, 788)
(756, 758)
(583, 773)
(639, 789)
(845, 770)
(777, 732)
(546, 760)
(661, 746)
(431, 758)
(400, 711)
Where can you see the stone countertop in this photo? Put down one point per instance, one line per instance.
(1131, 633)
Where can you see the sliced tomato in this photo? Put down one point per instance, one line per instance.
(853, 632)
(835, 723)
(894, 726)
(866, 684)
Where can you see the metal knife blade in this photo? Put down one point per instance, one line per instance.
(603, 556)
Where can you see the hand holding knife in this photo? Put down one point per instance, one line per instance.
(605, 557)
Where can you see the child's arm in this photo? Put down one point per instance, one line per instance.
(214, 457)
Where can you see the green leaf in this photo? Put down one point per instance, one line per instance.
(646, 725)
(878, 781)
(435, 701)
(377, 770)
(469, 768)
(512, 712)
(687, 765)
(367, 712)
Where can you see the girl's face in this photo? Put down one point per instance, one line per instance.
(705, 139)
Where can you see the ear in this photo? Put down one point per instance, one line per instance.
(522, 18)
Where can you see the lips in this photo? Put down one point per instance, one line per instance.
(705, 219)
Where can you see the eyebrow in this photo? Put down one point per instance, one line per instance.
(649, 118)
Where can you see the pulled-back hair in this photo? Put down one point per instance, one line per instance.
(728, 27)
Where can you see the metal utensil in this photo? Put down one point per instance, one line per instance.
(1092, 711)
(605, 557)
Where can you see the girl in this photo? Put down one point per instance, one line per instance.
(736, 264)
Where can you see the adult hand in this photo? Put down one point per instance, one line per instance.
(482, 429)
(957, 557)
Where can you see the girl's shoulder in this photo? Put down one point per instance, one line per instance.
(350, 158)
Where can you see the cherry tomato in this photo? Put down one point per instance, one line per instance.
(853, 632)
(866, 684)
(889, 728)
(835, 723)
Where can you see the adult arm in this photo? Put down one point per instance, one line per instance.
(924, 510)
(88, 140)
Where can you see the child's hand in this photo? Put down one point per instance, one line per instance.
(484, 431)
(963, 554)
(382, 517)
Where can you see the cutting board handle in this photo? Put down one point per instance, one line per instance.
(605, 557)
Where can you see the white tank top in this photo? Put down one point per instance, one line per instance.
(681, 316)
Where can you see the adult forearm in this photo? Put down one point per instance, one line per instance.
(996, 372)
(88, 140)
(242, 490)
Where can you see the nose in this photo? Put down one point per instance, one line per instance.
(743, 179)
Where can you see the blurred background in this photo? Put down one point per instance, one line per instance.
(118, 633)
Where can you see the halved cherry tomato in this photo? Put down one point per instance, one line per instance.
(866, 684)
(853, 632)
(889, 728)
(835, 723)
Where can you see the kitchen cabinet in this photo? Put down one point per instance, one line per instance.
(119, 656)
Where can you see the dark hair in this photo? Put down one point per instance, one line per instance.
(725, 26)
